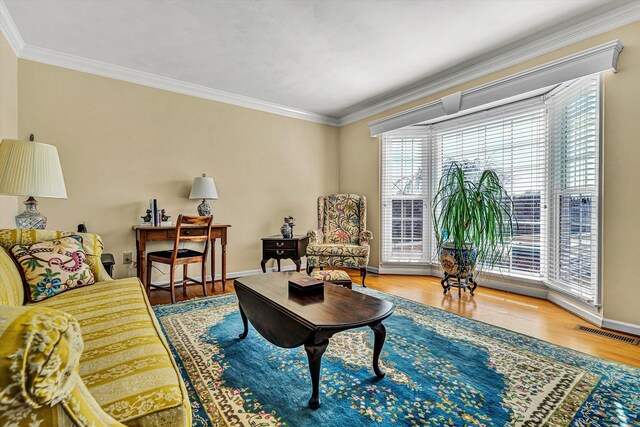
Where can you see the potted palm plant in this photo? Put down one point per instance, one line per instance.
(472, 222)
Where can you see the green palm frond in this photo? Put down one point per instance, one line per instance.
(473, 213)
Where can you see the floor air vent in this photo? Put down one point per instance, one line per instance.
(607, 334)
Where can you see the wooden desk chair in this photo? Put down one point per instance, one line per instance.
(183, 257)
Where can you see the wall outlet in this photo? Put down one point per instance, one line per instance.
(127, 258)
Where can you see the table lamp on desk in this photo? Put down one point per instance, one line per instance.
(204, 188)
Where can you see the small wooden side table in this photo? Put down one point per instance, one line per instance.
(278, 247)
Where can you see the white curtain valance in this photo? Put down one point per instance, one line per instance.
(597, 59)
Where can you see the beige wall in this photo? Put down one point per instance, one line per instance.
(360, 170)
(122, 144)
(8, 119)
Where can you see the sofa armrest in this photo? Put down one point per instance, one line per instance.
(365, 237)
(108, 262)
(315, 236)
(104, 275)
(39, 360)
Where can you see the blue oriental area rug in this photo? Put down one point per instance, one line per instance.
(442, 370)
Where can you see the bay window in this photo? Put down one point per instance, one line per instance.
(546, 151)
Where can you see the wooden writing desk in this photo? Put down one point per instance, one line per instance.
(146, 233)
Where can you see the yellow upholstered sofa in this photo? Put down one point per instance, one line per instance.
(91, 356)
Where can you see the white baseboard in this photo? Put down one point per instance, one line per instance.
(516, 289)
(616, 325)
(592, 316)
(521, 287)
(574, 308)
(408, 270)
(236, 274)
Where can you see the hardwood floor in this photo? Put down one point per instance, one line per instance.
(527, 315)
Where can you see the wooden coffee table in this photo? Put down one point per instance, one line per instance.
(289, 319)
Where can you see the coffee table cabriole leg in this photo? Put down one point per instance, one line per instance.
(379, 333)
(314, 354)
(244, 333)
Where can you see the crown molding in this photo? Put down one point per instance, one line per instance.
(594, 60)
(9, 30)
(534, 47)
(64, 60)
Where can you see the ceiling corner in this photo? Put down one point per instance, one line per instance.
(9, 30)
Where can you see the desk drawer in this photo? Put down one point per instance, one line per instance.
(171, 234)
(280, 244)
(280, 253)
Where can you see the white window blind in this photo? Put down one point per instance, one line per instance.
(574, 154)
(405, 197)
(511, 141)
(547, 153)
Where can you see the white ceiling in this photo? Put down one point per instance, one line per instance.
(328, 57)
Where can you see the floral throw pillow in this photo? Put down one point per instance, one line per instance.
(52, 267)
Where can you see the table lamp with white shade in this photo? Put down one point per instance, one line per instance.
(30, 169)
(204, 188)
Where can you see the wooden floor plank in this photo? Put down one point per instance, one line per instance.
(527, 315)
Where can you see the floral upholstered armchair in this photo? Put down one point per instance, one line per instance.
(341, 239)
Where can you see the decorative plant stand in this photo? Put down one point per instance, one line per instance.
(462, 283)
(458, 268)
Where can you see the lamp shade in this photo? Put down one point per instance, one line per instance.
(203, 188)
(29, 168)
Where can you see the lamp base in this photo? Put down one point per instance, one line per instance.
(204, 208)
(31, 218)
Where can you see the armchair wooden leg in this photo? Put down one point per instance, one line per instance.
(309, 269)
(147, 283)
(363, 273)
(204, 278)
(185, 273)
(172, 284)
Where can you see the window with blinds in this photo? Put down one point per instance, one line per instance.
(573, 169)
(511, 141)
(405, 197)
(546, 152)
